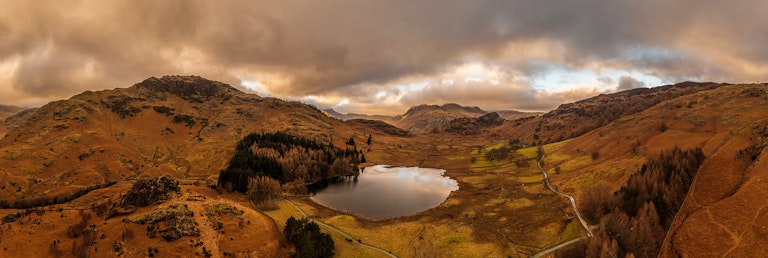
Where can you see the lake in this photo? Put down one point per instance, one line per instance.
(382, 192)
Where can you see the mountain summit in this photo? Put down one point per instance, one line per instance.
(187, 87)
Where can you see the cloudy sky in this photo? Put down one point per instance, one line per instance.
(382, 56)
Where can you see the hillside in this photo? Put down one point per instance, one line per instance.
(574, 119)
(6, 111)
(350, 116)
(14, 120)
(721, 212)
(471, 126)
(515, 115)
(424, 118)
(433, 118)
(185, 127)
(196, 222)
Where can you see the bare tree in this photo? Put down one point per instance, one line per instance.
(263, 191)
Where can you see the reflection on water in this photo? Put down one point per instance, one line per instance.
(381, 192)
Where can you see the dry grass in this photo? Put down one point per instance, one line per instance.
(529, 152)
(531, 179)
(36, 230)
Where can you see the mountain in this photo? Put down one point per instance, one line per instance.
(349, 116)
(471, 126)
(12, 117)
(574, 119)
(185, 127)
(515, 115)
(428, 118)
(722, 213)
(6, 111)
(424, 118)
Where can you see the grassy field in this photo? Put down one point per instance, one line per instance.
(343, 248)
(500, 210)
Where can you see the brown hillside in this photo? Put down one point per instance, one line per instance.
(514, 114)
(184, 127)
(197, 223)
(721, 213)
(424, 118)
(376, 125)
(434, 118)
(470, 126)
(574, 119)
(14, 120)
(6, 111)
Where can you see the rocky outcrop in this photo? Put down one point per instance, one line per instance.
(472, 126)
(190, 88)
(179, 222)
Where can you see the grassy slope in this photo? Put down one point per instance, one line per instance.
(720, 212)
(32, 234)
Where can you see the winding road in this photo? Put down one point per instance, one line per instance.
(347, 236)
(575, 209)
(570, 198)
(554, 248)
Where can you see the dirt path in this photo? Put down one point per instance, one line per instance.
(575, 209)
(208, 235)
(347, 236)
(570, 198)
(554, 248)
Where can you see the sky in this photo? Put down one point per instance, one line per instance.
(381, 57)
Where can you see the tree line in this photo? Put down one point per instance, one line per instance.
(287, 158)
(634, 220)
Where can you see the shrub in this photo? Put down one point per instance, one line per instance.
(501, 153)
(78, 228)
(189, 120)
(163, 110)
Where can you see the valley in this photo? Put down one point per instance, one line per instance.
(82, 155)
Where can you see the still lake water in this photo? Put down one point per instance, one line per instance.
(381, 192)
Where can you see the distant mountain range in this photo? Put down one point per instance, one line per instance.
(428, 118)
(6, 111)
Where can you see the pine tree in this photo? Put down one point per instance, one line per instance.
(351, 141)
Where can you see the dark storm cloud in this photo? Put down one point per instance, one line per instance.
(355, 49)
